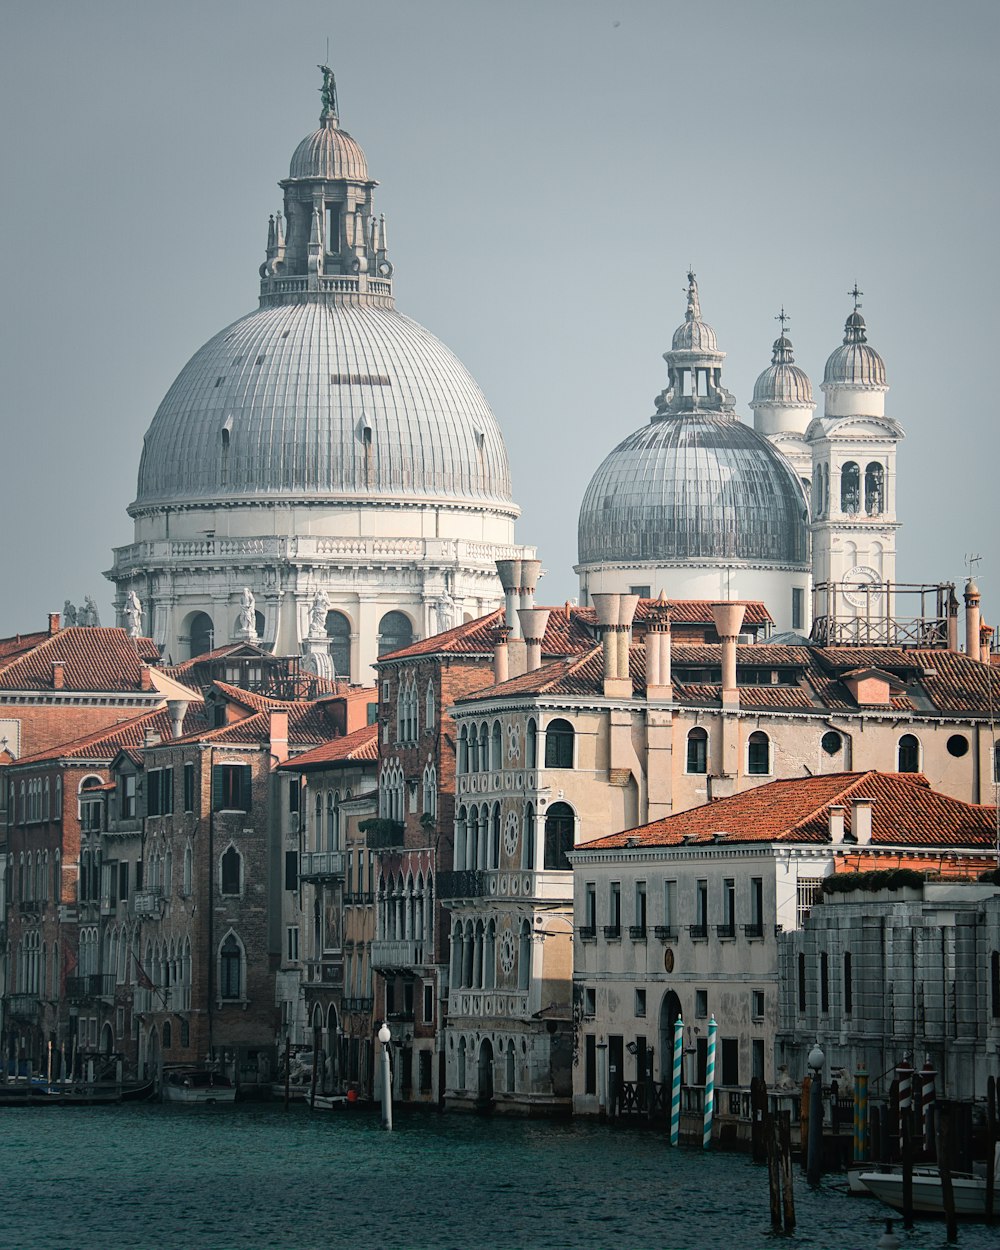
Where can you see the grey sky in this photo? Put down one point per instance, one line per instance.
(548, 170)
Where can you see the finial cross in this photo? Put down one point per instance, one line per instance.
(856, 295)
(783, 317)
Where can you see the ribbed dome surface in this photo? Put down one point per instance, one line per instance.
(320, 401)
(856, 362)
(329, 153)
(694, 336)
(696, 487)
(783, 384)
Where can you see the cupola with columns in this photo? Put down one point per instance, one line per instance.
(783, 404)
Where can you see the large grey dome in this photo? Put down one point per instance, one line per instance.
(321, 401)
(695, 487)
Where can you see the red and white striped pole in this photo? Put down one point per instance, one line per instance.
(904, 1074)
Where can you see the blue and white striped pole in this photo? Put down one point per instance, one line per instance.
(675, 1083)
(709, 1084)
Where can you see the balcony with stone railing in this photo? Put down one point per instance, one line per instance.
(94, 987)
(22, 1006)
(390, 954)
(488, 1004)
(321, 865)
(544, 885)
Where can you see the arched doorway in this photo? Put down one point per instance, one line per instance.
(153, 1054)
(485, 1084)
(107, 1040)
(670, 1009)
(334, 1061)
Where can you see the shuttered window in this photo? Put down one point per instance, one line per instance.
(231, 787)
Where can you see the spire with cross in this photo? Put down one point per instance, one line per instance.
(856, 295)
(784, 318)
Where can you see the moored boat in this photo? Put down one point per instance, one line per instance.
(197, 1085)
(969, 1191)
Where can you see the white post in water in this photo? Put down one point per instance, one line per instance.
(675, 1083)
(709, 1084)
(385, 1037)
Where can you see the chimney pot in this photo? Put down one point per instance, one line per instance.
(533, 622)
(145, 677)
(58, 675)
(177, 710)
(278, 726)
(861, 820)
(836, 822)
(53, 623)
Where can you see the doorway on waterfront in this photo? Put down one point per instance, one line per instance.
(485, 1089)
(670, 1009)
(107, 1041)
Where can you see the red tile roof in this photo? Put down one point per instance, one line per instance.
(307, 723)
(94, 658)
(248, 699)
(360, 745)
(906, 812)
(10, 647)
(106, 743)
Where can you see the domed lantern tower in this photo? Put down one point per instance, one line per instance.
(324, 453)
(853, 447)
(696, 503)
(783, 405)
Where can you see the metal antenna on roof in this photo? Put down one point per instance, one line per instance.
(972, 563)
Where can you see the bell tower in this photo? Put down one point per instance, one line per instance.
(853, 446)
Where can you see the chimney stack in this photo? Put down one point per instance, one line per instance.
(952, 622)
(278, 725)
(145, 677)
(53, 623)
(177, 710)
(509, 572)
(501, 656)
(972, 619)
(531, 570)
(985, 642)
(728, 619)
(533, 623)
(58, 675)
(658, 678)
(836, 819)
(861, 820)
(614, 617)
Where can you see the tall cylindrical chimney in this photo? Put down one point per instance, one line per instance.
(728, 619)
(533, 623)
(509, 572)
(627, 605)
(531, 570)
(658, 647)
(606, 606)
(985, 642)
(177, 710)
(501, 655)
(972, 619)
(952, 622)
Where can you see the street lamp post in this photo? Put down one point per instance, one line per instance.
(385, 1037)
(815, 1157)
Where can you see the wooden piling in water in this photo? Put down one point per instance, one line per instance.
(944, 1153)
(991, 1144)
(770, 1144)
(758, 1115)
(906, 1141)
(787, 1184)
(288, 1070)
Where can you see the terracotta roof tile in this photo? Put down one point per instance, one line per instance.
(93, 658)
(360, 745)
(106, 743)
(906, 811)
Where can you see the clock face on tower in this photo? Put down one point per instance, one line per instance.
(856, 583)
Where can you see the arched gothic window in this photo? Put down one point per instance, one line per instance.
(231, 866)
(531, 744)
(758, 754)
(697, 750)
(230, 968)
(908, 754)
(559, 744)
(560, 827)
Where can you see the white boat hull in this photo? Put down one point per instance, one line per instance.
(969, 1191)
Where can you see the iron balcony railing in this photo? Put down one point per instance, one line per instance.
(755, 930)
(698, 932)
(95, 985)
(665, 932)
(23, 1006)
(637, 932)
(726, 931)
(465, 883)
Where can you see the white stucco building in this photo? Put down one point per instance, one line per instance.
(322, 443)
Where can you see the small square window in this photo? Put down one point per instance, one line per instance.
(640, 1002)
(589, 1002)
(757, 1004)
(701, 1004)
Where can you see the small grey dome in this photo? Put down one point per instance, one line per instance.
(324, 402)
(329, 152)
(694, 488)
(783, 382)
(856, 362)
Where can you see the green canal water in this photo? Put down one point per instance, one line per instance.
(253, 1177)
